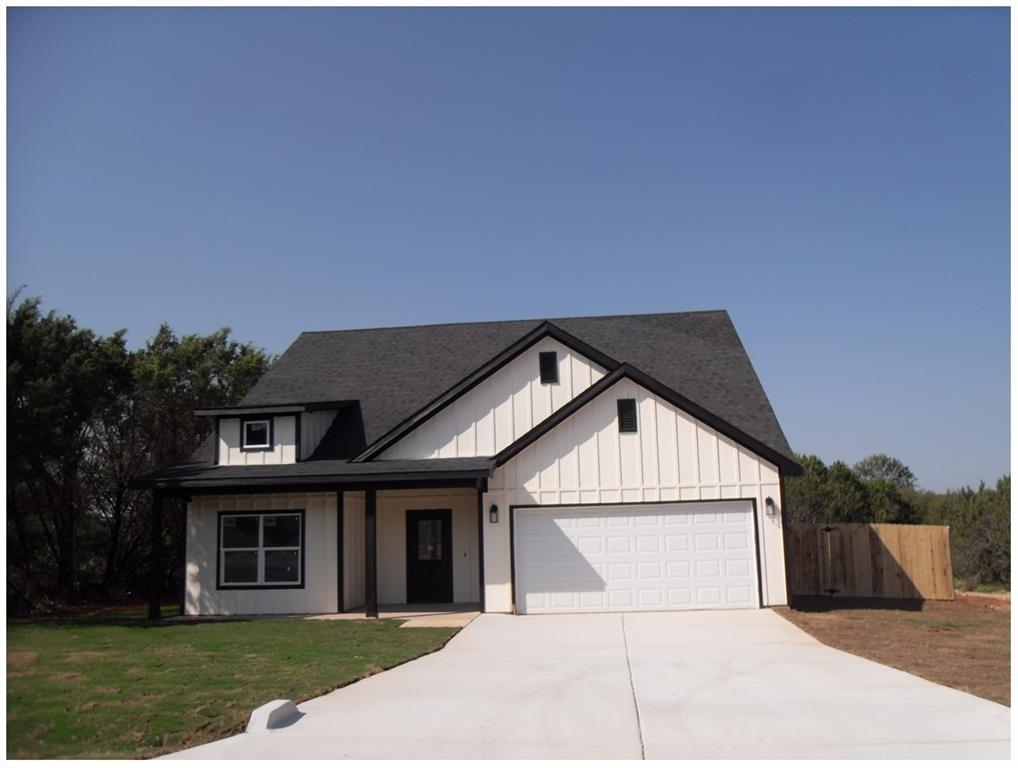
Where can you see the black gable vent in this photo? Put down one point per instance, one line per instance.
(627, 415)
(549, 367)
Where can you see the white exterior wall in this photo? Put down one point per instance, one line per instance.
(392, 507)
(319, 593)
(284, 443)
(313, 427)
(671, 457)
(500, 409)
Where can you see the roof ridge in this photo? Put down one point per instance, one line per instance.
(460, 324)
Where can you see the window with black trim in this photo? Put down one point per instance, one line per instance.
(261, 549)
(256, 434)
(549, 367)
(627, 415)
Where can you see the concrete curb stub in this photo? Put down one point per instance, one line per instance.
(276, 714)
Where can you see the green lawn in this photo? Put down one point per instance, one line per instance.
(116, 685)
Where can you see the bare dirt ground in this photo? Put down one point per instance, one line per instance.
(1000, 601)
(964, 645)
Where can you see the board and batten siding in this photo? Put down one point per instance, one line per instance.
(501, 408)
(284, 443)
(672, 457)
(201, 595)
(313, 427)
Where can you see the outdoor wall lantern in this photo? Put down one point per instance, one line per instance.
(493, 513)
(772, 508)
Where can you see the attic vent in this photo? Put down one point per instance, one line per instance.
(549, 367)
(627, 415)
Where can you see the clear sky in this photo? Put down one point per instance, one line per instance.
(837, 179)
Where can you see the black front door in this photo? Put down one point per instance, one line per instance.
(429, 556)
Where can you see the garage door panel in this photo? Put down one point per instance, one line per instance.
(636, 557)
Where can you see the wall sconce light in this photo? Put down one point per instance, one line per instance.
(772, 508)
(493, 514)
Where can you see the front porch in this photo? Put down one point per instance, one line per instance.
(387, 537)
(404, 552)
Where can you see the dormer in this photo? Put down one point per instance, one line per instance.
(281, 434)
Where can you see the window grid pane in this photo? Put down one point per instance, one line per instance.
(240, 566)
(281, 531)
(277, 564)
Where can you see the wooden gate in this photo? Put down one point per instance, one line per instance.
(870, 560)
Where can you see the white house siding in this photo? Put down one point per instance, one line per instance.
(313, 426)
(501, 408)
(353, 549)
(284, 443)
(391, 540)
(673, 456)
(319, 592)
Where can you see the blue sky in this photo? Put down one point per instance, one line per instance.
(838, 179)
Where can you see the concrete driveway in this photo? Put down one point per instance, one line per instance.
(734, 684)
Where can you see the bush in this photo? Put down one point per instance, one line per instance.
(980, 522)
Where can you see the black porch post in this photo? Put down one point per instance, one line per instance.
(340, 550)
(156, 558)
(480, 545)
(370, 553)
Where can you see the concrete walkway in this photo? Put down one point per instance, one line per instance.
(733, 684)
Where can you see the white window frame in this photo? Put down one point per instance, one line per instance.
(261, 549)
(245, 446)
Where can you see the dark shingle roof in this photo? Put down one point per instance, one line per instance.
(394, 372)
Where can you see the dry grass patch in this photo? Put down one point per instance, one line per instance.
(958, 644)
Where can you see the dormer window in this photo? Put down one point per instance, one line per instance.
(256, 434)
(548, 362)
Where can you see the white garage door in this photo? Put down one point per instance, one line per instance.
(635, 557)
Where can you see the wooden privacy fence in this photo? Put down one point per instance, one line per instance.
(870, 560)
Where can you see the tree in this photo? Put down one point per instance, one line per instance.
(847, 500)
(980, 522)
(61, 380)
(888, 503)
(85, 417)
(806, 494)
(825, 494)
(881, 467)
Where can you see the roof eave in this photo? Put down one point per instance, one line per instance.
(275, 409)
(336, 480)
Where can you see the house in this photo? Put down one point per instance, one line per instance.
(613, 463)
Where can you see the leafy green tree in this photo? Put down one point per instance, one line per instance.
(980, 523)
(847, 500)
(980, 529)
(883, 468)
(61, 381)
(806, 497)
(888, 503)
(825, 494)
(173, 376)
